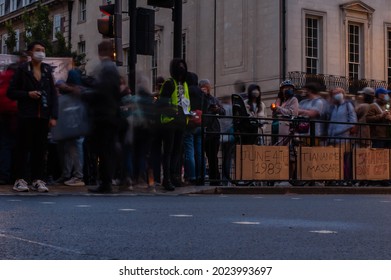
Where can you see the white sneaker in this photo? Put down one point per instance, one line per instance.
(39, 186)
(75, 182)
(20, 186)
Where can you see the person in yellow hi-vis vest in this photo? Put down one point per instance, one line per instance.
(174, 105)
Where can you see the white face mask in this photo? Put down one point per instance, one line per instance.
(39, 56)
(338, 97)
(386, 98)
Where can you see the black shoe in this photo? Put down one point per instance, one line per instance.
(168, 185)
(177, 182)
(100, 189)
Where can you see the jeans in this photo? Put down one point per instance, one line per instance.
(193, 154)
(72, 158)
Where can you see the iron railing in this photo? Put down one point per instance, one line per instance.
(328, 82)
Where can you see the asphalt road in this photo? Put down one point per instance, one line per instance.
(196, 227)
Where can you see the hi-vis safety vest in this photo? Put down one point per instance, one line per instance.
(174, 101)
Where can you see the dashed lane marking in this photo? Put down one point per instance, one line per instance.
(127, 210)
(181, 216)
(246, 223)
(324, 231)
(14, 200)
(83, 206)
(48, 202)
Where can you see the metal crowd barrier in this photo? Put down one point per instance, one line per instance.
(252, 153)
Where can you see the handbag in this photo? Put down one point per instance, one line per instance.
(73, 119)
(196, 119)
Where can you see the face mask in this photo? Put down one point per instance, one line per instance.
(255, 93)
(338, 97)
(39, 56)
(387, 98)
(288, 93)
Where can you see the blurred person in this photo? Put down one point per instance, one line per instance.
(379, 114)
(363, 131)
(174, 105)
(157, 140)
(286, 106)
(33, 88)
(71, 149)
(315, 108)
(8, 122)
(240, 88)
(211, 106)
(104, 104)
(255, 109)
(192, 144)
(341, 111)
(227, 138)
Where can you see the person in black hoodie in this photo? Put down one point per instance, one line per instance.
(174, 103)
(33, 87)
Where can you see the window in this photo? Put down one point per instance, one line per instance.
(17, 36)
(354, 50)
(389, 55)
(27, 2)
(13, 5)
(56, 25)
(2, 7)
(184, 46)
(82, 10)
(154, 64)
(3, 45)
(81, 47)
(312, 45)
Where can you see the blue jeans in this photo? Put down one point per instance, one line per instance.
(193, 153)
(73, 158)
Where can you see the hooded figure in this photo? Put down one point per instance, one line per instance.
(174, 103)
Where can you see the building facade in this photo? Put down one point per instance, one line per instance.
(336, 42)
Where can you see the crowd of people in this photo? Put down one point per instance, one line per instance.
(145, 139)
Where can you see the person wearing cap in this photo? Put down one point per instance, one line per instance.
(379, 113)
(363, 131)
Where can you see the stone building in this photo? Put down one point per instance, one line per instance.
(337, 42)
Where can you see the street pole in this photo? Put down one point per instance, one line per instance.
(177, 29)
(118, 33)
(132, 55)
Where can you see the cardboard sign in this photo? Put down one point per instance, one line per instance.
(371, 164)
(320, 163)
(262, 162)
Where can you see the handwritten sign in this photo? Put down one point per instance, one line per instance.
(372, 164)
(320, 163)
(262, 162)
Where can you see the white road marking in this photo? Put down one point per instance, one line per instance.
(66, 250)
(127, 210)
(338, 199)
(324, 231)
(48, 202)
(181, 216)
(246, 223)
(14, 200)
(296, 198)
(258, 196)
(83, 206)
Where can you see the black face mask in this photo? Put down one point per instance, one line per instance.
(288, 93)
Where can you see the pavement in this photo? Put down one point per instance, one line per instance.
(210, 190)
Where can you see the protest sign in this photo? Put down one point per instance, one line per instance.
(371, 164)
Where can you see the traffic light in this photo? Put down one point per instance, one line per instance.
(161, 3)
(145, 33)
(106, 26)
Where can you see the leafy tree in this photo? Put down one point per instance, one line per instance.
(10, 42)
(39, 27)
(62, 49)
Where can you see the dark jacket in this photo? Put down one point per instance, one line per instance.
(105, 98)
(212, 106)
(24, 81)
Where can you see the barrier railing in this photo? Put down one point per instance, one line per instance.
(252, 153)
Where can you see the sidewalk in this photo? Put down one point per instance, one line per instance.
(209, 190)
